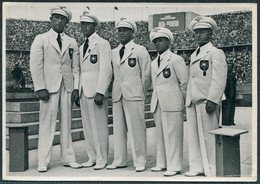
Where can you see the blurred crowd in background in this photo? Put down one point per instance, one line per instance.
(233, 29)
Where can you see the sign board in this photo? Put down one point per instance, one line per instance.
(177, 21)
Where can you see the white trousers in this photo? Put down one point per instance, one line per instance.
(169, 129)
(128, 116)
(48, 116)
(202, 150)
(94, 121)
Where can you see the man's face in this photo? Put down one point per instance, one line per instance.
(58, 22)
(124, 35)
(203, 36)
(88, 28)
(161, 44)
(153, 54)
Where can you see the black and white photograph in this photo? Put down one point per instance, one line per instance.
(129, 91)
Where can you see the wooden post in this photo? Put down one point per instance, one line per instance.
(228, 151)
(18, 149)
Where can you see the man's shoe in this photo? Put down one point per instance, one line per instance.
(73, 165)
(139, 169)
(88, 164)
(157, 169)
(42, 169)
(194, 173)
(171, 173)
(113, 166)
(100, 166)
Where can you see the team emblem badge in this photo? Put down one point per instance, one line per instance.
(93, 59)
(166, 72)
(132, 62)
(70, 52)
(204, 65)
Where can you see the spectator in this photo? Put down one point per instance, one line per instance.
(228, 105)
(18, 77)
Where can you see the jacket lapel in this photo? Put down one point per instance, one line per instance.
(92, 46)
(53, 41)
(128, 52)
(164, 62)
(197, 58)
(202, 53)
(117, 56)
(65, 44)
(154, 65)
(81, 52)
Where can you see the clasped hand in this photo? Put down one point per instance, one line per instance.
(210, 106)
(99, 99)
(43, 94)
(75, 97)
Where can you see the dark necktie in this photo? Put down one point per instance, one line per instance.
(121, 52)
(85, 47)
(198, 51)
(59, 41)
(159, 61)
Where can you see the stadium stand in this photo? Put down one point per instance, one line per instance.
(234, 29)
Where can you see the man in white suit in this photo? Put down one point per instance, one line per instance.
(207, 80)
(95, 77)
(170, 79)
(131, 66)
(54, 65)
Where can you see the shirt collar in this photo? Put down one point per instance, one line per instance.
(205, 47)
(91, 37)
(128, 45)
(55, 34)
(163, 54)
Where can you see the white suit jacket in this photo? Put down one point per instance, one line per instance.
(169, 82)
(49, 65)
(132, 73)
(211, 84)
(95, 66)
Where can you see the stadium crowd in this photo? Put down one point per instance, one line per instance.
(233, 29)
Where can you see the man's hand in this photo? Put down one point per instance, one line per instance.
(43, 94)
(99, 99)
(210, 106)
(75, 97)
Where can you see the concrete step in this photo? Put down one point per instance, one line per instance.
(21, 97)
(35, 106)
(22, 117)
(22, 106)
(33, 116)
(76, 134)
(33, 127)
